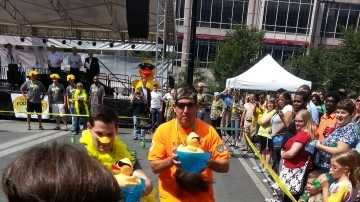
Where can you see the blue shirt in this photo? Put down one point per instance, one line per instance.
(228, 100)
(346, 134)
(311, 107)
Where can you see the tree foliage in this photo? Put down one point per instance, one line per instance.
(237, 53)
(331, 68)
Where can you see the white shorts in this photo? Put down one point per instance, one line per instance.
(58, 109)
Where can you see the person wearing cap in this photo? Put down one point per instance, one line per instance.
(216, 110)
(173, 133)
(102, 142)
(204, 112)
(97, 94)
(57, 96)
(69, 104)
(34, 92)
(54, 60)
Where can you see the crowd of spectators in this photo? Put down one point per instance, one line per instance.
(299, 134)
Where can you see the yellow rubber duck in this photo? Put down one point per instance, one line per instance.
(192, 144)
(123, 171)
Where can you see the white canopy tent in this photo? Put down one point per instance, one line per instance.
(268, 75)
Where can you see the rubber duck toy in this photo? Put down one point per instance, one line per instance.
(192, 144)
(123, 170)
(192, 157)
(132, 187)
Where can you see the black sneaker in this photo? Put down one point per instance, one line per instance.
(41, 128)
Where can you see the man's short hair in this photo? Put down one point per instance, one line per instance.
(104, 114)
(186, 92)
(306, 90)
(334, 95)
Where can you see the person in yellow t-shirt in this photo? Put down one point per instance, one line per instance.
(173, 133)
(264, 133)
(102, 143)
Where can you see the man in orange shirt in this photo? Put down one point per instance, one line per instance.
(173, 133)
(328, 120)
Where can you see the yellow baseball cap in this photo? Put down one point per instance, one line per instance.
(33, 73)
(70, 77)
(54, 76)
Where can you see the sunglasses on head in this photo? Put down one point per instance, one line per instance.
(183, 105)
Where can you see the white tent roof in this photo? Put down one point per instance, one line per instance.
(267, 74)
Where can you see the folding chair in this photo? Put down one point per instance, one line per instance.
(229, 134)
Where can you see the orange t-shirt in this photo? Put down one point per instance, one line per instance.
(325, 121)
(166, 138)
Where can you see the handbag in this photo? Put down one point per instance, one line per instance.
(279, 140)
(294, 178)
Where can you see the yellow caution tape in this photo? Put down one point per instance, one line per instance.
(270, 171)
(60, 114)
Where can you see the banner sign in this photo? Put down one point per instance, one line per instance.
(19, 104)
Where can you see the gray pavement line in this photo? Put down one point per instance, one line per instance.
(24, 139)
(263, 190)
(32, 143)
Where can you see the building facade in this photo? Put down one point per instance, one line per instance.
(290, 26)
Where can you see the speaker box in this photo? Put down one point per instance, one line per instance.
(137, 13)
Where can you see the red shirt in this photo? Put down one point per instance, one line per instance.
(301, 157)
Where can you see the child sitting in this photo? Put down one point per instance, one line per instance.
(312, 191)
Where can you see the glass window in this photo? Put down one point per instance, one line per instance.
(227, 13)
(205, 13)
(180, 8)
(304, 18)
(338, 17)
(331, 22)
(240, 11)
(282, 14)
(282, 53)
(271, 10)
(287, 15)
(202, 50)
(198, 13)
(212, 51)
(216, 13)
(294, 10)
(353, 19)
(341, 22)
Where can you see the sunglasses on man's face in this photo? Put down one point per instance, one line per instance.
(183, 105)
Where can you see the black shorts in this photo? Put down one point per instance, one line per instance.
(265, 143)
(34, 107)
